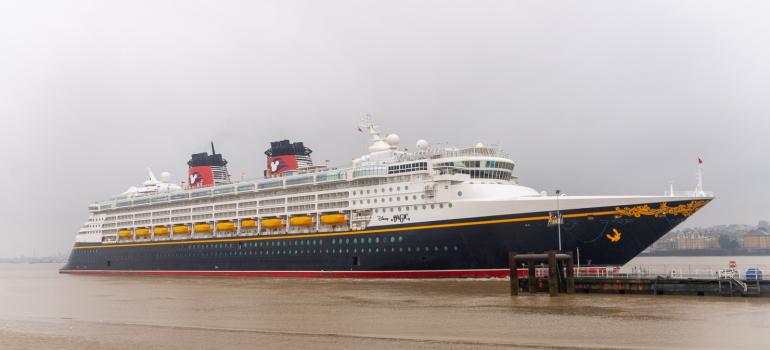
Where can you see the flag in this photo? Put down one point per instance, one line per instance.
(700, 161)
(359, 130)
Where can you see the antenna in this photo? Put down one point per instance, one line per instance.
(152, 176)
(212, 148)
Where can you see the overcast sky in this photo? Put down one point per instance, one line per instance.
(591, 97)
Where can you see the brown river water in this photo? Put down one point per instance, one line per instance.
(41, 309)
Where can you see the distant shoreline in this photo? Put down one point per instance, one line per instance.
(710, 252)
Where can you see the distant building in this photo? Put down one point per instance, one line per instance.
(756, 240)
(694, 242)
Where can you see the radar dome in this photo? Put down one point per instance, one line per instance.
(479, 145)
(422, 145)
(165, 176)
(392, 139)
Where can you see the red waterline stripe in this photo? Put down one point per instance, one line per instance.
(475, 273)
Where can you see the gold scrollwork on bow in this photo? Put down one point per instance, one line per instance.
(664, 209)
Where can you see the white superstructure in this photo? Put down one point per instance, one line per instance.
(386, 186)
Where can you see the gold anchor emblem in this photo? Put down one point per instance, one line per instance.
(614, 238)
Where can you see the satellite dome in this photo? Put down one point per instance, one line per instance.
(422, 145)
(165, 176)
(479, 145)
(392, 139)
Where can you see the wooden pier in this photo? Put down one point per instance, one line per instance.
(561, 277)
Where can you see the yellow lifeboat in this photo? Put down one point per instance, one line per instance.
(124, 233)
(333, 219)
(225, 226)
(160, 230)
(202, 227)
(301, 220)
(272, 223)
(181, 229)
(142, 231)
(248, 223)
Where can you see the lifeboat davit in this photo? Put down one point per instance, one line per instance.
(248, 223)
(301, 220)
(202, 227)
(142, 231)
(181, 229)
(124, 233)
(333, 219)
(160, 230)
(272, 223)
(225, 226)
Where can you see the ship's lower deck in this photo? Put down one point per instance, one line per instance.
(458, 248)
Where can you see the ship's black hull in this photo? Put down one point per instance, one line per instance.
(603, 236)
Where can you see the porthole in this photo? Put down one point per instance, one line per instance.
(400, 239)
(441, 206)
(390, 189)
(377, 240)
(406, 188)
(414, 197)
(446, 249)
(433, 206)
(459, 193)
(391, 209)
(398, 188)
(392, 239)
(450, 205)
(399, 208)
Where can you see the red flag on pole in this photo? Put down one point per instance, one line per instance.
(359, 130)
(700, 161)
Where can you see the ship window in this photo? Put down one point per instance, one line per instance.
(391, 209)
(406, 198)
(392, 239)
(400, 238)
(390, 199)
(398, 199)
(390, 189)
(441, 206)
(398, 188)
(406, 188)
(433, 206)
(399, 208)
(450, 205)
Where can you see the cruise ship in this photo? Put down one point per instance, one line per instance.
(436, 211)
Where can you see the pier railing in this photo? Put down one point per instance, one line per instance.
(705, 272)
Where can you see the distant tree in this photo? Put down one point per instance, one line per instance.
(725, 242)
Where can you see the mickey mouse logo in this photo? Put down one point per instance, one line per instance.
(195, 179)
